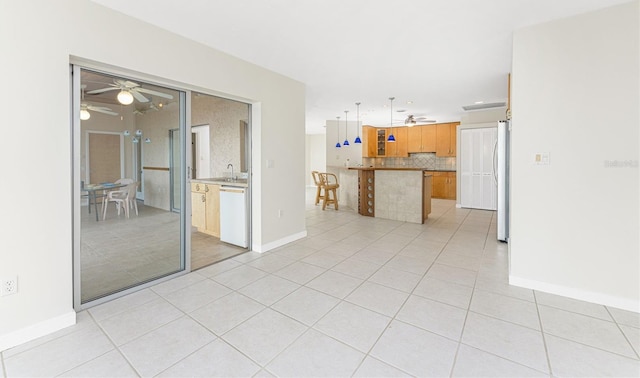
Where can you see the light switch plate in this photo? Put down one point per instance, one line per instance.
(541, 158)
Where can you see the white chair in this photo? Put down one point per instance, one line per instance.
(121, 197)
(133, 189)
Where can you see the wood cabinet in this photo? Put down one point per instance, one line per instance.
(399, 147)
(444, 185)
(366, 193)
(205, 208)
(369, 141)
(446, 139)
(427, 187)
(374, 142)
(421, 139)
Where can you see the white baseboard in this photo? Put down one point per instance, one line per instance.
(587, 296)
(34, 331)
(280, 242)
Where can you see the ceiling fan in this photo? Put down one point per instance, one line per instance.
(412, 120)
(130, 90)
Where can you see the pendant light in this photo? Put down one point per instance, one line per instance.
(358, 140)
(338, 122)
(346, 128)
(391, 138)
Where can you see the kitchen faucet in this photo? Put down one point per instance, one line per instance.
(231, 165)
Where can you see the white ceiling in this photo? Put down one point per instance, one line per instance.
(440, 54)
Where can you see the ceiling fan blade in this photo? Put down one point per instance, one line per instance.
(129, 84)
(138, 96)
(104, 111)
(97, 108)
(155, 93)
(96, 91)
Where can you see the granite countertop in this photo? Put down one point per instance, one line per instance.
(223, 181)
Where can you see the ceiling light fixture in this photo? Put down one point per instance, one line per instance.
(391, 138)
(84, 114)
(346, 128)
(358, 140)
(125, 97)
(338, 122)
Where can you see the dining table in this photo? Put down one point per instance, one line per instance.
(92, 193)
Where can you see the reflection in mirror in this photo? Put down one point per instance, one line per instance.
(130, 221)
(220, 142)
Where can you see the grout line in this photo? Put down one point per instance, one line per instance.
(115, 347)
(623, 333)
(544, 339)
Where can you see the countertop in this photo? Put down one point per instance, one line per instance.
(227, 181)
(398, 169)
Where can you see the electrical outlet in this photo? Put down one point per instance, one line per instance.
(8, 285)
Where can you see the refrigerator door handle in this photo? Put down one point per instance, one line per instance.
(495, 162)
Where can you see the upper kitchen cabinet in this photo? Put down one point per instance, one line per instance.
(374, 142)
(446, 139)
(421, 139)
(399, 147)
(369, 141)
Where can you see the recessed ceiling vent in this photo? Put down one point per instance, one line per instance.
(487, 105)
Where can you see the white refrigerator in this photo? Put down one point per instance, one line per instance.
(501, 174)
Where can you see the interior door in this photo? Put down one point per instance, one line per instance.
(103, 152)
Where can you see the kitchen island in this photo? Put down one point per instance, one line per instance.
(402, 194)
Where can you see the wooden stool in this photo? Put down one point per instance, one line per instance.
(329, 183)
(318, 182)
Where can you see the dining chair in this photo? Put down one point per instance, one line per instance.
(330, 184)
(121, 197)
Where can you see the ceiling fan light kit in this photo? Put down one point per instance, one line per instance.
(84, 115)
(125, 97)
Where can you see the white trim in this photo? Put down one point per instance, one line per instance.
(34, 331)
(277, 243)
(588, 296)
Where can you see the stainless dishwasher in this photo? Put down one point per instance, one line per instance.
(233, 215)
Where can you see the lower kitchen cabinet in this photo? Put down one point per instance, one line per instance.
(205, 208)
(444, 185)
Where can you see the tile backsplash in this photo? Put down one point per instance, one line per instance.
(418, 160)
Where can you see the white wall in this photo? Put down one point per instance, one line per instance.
(336, 131)
(316, 156)
(38, 38)
(574, 225)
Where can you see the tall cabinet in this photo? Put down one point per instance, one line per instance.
(478, 186)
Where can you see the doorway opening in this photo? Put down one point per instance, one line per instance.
(220, 169)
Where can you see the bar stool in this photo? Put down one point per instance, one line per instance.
(329, 183)
(318, 182)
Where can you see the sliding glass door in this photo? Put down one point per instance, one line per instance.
(129, 169)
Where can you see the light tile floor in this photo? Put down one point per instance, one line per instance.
(358, 297)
